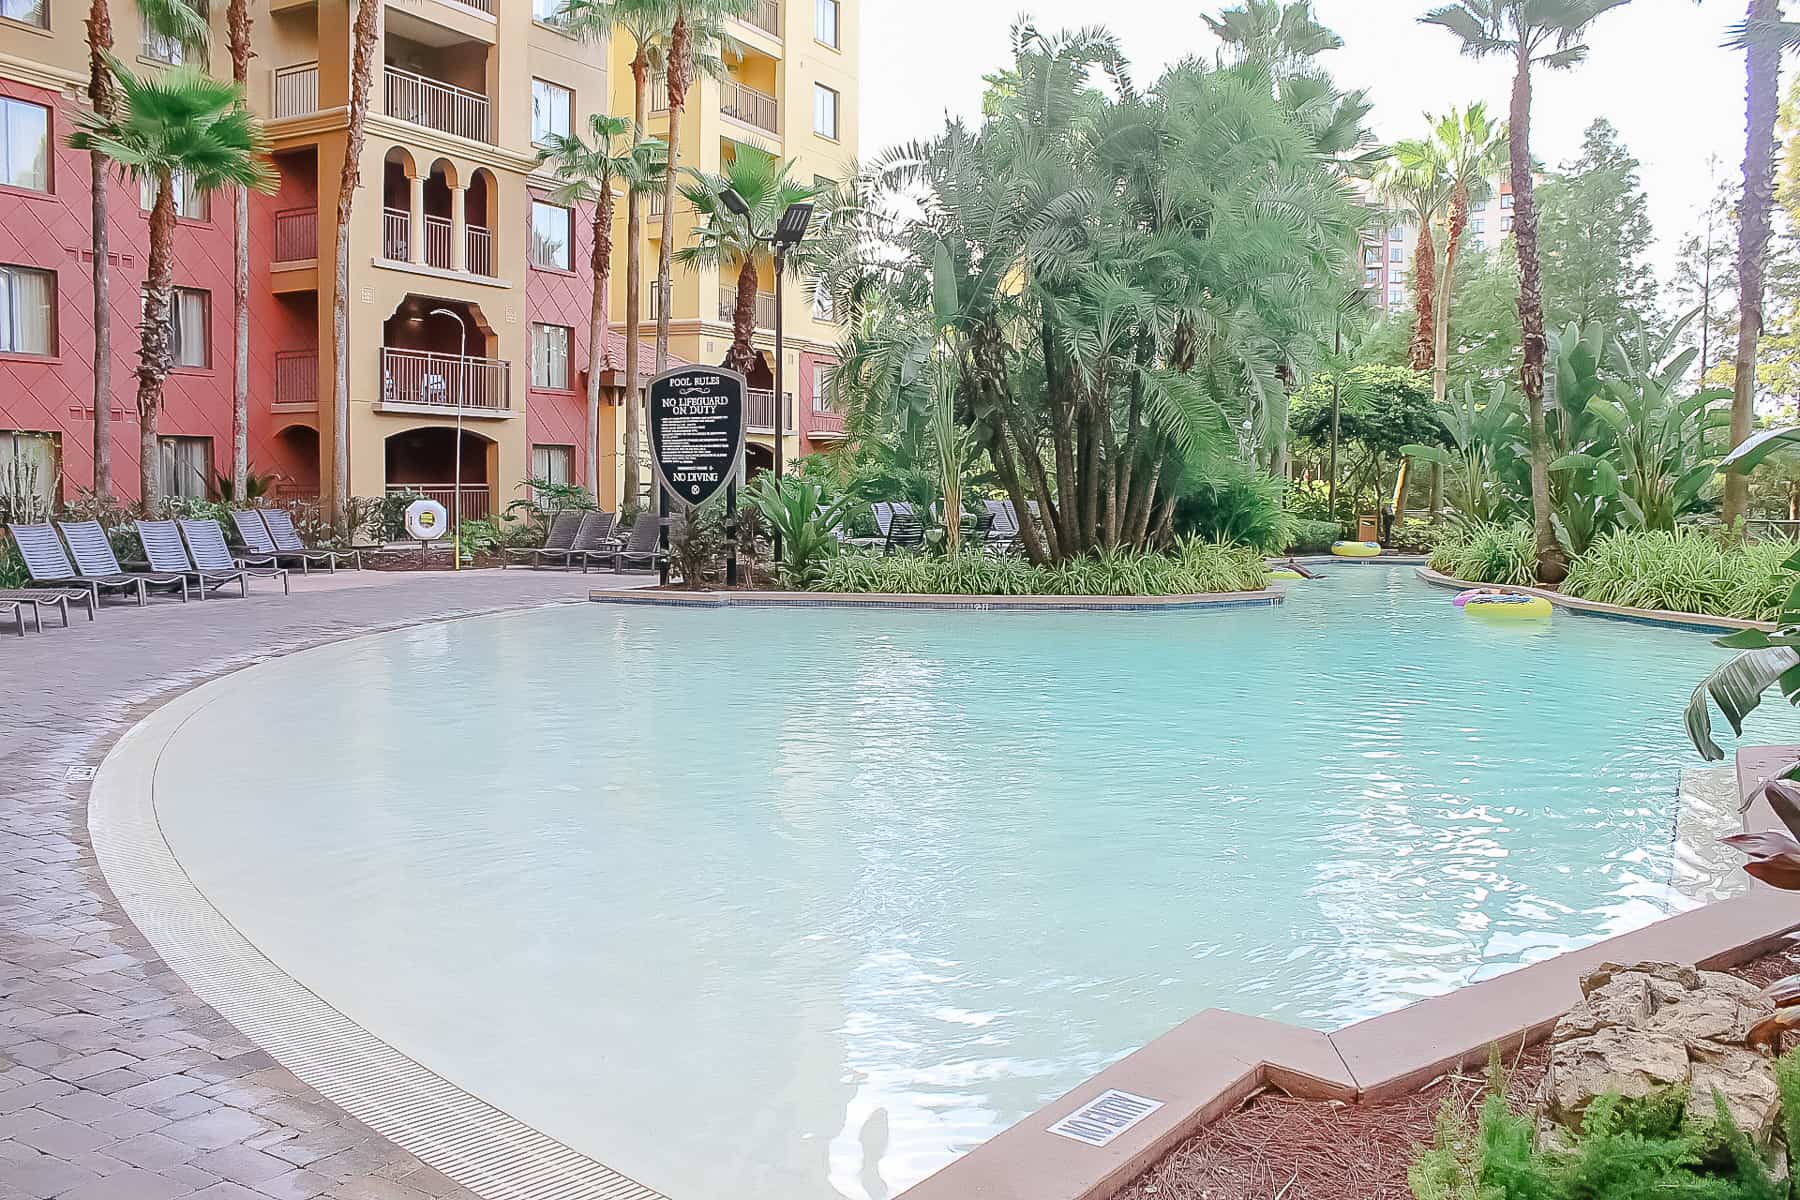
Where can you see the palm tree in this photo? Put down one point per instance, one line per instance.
(1414, 180)
(1278, 37)
(590, 170)
(1473, 149)
(1533, 33)
(729, 243)
(1762, 37)
(363, 36)
(237, 31)
(644, 22)
(166, 18)
(182, 122)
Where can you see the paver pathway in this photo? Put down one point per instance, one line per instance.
(116, 1082)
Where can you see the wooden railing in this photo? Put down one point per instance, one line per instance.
(297, 377)
(446, 381)
(766, 16)
(765, 306)
(437, 105)
(296, 235)
(480, 251)
(396, 234)
(475, 501)
(437, 242)
(749, 105)
(759, 412)
(297, 90)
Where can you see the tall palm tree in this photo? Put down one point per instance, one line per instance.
(1474, 149)
(615, 154)
(181, 122)
(363, 36)
(1414, 181)
(644, 22)
(165, 18)
(728, 242)
(1277, 36)
(237, 32)
(1762, 37)
(1532, 33)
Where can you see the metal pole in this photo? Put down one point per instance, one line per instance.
(462, 396)
(780, 395)
(731, 533)
(1337, 347)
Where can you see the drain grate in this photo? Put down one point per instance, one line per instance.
(1105, 1117)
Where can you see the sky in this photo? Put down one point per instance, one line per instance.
(1656, 70)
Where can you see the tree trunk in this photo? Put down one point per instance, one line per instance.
(634, 287)
(743, 319)
(1552, 564)
(1440, 333)
(237, 26)
(1424, 297)
(100, 95)
(1763, 81)
(362, 75)
(154, 339)
(598, 357)
(681, 51)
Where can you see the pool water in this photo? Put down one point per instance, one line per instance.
(801, 904)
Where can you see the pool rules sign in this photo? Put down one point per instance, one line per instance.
(696, 430)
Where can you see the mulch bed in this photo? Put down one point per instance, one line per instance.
(1279, 1148)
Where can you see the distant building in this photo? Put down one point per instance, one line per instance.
(1387, 252)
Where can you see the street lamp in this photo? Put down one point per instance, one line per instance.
(462, 382)
(789, 232)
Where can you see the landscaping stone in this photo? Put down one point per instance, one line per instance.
(1641, 1029)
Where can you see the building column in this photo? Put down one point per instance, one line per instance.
(459, 227)
(415, 237)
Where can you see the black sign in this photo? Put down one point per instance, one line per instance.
(696, 430)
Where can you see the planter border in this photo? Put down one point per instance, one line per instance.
(1267, 598)
(1698, 622)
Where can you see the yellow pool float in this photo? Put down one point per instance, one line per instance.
(1356, 549)
(1285, 573)
(1508, 607)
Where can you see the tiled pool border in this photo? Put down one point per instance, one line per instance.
(1218, 600)
(1613, 612)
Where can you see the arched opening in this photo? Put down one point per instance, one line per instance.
(437, 353)
(424, 461)
(478, 206)
(440, 182)
(397, 174)
(757, 459)
(296, 453)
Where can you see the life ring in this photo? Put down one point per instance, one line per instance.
(1507, 606)
(1286, 573)
(1356, 549)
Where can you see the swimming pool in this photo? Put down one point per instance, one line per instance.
(797, 904)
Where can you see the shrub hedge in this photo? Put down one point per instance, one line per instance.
(1194, 566)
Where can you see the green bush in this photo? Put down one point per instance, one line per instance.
(12, 567)
(1486, 553)
(1687, 571)
(1236, 503)
(1314, 536)
(697, 543)
(1195, 566)
(798, 512)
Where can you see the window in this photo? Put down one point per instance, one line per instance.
(190, 202)
(1396, 295)
(27, 311)
(190, 327)
(826, 14)
(170, 50)
(552, 106)
(553, 464)
(1506, 223)
(1397, 233)
(30, 474)
(821, 388)
(1371, 276)
(1397, 254)
(1479, 225)
(29, 12)
(1506, 201)
(551, 236)
(550, 12)
(185, 467)
(825, 111)
(550, 356)
(26, 132)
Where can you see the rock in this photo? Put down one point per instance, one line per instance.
(1744, 1079)
(1631, 1062)
(1709, 1016)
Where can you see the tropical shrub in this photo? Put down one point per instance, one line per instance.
(1313, 536)
(1194, 566)
(1686, 571)
(1486, 553)
(805, 523)
(12, 567)
(697, 543)
(387, 520)
(1236, 503)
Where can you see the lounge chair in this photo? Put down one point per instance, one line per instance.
(644, 545)
(593, 539)
(13, 610)
(904, 531)
(167, 553)
(57, 599)
(207, 547)
(94, 567)
(1003, 534)
(288, 543)
(259, 547)
(558, 538)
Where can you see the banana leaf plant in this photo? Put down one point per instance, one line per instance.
(1584, 487)
(1484, 461)
(1775, 860)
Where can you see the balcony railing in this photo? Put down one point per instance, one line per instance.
(474, 496)
(435, 105)
(766, 16)
(480, 251)
(480, 6)
(759, 412)
(396, 231)
(297, 90)
(296, 235)
(297, 377)
(419, 378)
(749, 105)
(765, 306)
(437, 242)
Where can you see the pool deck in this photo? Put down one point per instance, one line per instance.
(116, 1081)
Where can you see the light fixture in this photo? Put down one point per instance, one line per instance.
(734, 202)
(794, 223)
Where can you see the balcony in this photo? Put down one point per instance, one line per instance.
(396, 234)
(759, 412)
(296, 236)
(480, 251)
(297, 380)
(766, 16)
(765, 306)
(437, 242)
(440, 106)
(750, 106)
(296, 90)
(419, 380)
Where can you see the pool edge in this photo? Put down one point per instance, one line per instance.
(1267, 598)
(1697, 622)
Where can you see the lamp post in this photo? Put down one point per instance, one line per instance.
(462, 382)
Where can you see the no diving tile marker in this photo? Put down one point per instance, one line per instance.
(82, 774)
(1105, 1117)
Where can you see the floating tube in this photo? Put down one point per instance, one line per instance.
(1356, 549)
(1286, 573)
(1463, 598)
(1507, 607)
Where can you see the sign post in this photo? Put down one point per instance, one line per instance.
(696, 437)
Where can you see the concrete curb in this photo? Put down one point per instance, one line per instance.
(1593, 608)
(1263, 599)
